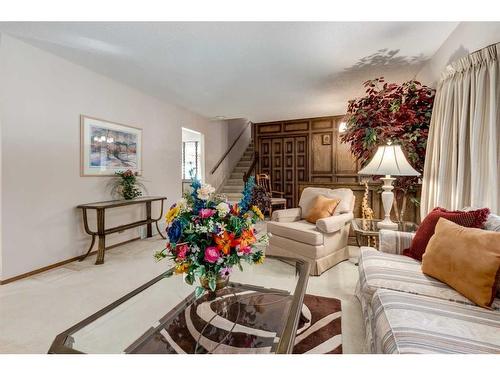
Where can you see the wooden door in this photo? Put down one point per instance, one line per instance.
(289, 170)
(285, 160)
(301, 166)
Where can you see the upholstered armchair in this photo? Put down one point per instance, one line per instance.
(323, 244)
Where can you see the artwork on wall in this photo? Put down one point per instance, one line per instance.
(108, 147)
(326, 139)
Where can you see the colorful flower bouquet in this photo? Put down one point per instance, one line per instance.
(207, 236)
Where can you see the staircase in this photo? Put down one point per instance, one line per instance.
(234, 184)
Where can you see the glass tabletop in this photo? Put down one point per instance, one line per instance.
(257, 312)
(369, 226)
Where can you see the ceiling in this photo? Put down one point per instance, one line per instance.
(262, 71)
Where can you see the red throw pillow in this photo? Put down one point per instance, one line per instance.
(470, 219)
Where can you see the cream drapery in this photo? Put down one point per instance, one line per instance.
(462, 165)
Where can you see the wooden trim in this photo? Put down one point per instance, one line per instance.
(230, 148)
(82, 120)
(61, 263)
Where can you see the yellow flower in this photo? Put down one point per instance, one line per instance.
(258, 212)
(261, 259)
(181, 268)
(172, 214)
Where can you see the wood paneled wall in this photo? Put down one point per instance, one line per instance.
(303, 150)
(296, 154)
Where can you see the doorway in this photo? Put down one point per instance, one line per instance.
(193, 157)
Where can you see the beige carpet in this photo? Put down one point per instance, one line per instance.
(34, 310)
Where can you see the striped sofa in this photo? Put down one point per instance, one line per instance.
(406, 311)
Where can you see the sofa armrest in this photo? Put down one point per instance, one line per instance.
(334, 223)
(286, 216)
(394, 242)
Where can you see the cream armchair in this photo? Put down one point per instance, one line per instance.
(324, 244)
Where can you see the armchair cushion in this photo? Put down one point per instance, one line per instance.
(286, 216)
(308, 195)
(299, 231)
(334, 223)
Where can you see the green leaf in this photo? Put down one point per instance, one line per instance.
(200, 271)
(169, 273)
(212, 284)
(189, 278)
(198, 292)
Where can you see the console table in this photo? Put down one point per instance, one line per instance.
(102, 231)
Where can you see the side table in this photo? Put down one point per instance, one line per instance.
(366, 230)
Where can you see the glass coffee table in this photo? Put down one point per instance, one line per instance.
(366, 230)
(257, 313)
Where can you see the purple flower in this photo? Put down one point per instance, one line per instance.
(226, 271)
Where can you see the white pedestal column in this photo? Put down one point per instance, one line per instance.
(387, 201)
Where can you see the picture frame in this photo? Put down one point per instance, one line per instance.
(108, 147)
(326, 139)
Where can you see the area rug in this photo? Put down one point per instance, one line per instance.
(243, 321)
(320, 328)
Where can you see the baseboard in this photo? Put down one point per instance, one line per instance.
(61, 263)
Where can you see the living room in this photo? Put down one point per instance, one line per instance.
(314, 187)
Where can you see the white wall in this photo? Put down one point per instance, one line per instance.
(41, 99)
(466, 38)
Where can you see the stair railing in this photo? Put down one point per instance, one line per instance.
(251, 168)
(230, 148)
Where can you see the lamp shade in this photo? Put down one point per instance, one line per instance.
(389, 160)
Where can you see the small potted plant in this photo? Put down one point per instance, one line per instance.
(127, 185)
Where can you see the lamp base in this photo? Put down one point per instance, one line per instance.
(387, 224)
(387, 201)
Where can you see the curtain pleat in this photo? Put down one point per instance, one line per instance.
(462, 165)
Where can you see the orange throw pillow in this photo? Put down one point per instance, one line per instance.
(467, 259)
(322, 207)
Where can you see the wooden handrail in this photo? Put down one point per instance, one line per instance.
(252, 167)
(230, 148)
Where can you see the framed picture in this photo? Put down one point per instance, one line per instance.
(108, 147)
(326, 139)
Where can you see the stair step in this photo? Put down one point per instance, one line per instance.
(244, 163)
(233, 196)
(236, 181)
(232, 189)
(236, 176)
(240, 169)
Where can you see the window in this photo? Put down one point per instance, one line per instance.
(191, 160)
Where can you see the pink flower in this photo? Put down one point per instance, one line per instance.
(243, 250)
(211, 254)
(182, 251)
(206, 213)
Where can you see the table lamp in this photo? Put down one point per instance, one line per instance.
(389, 160)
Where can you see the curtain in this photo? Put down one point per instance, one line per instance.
(462, 164)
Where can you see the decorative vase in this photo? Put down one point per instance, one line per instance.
(220, 283)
